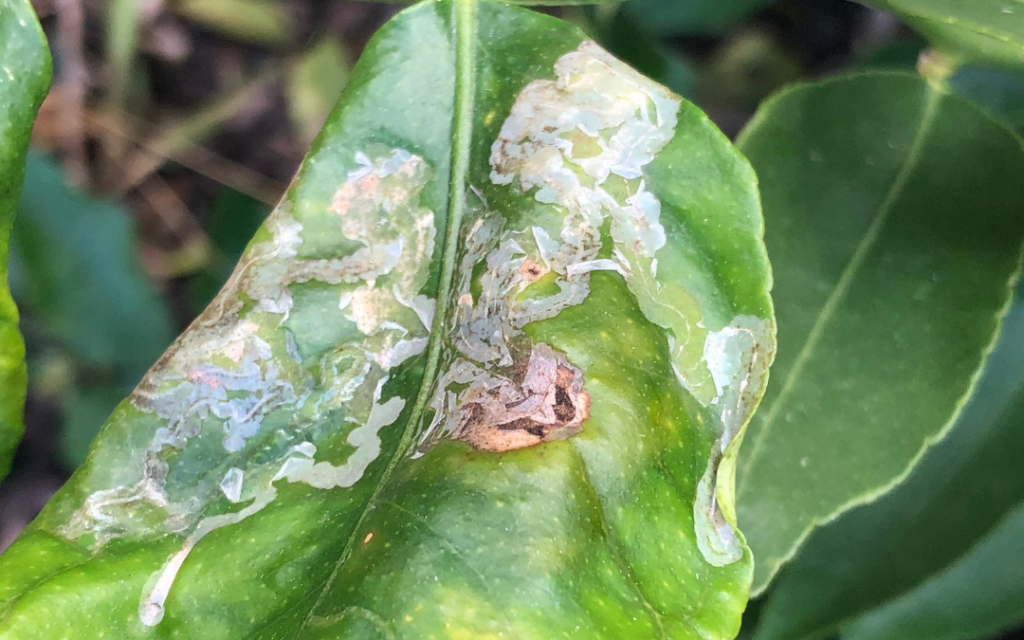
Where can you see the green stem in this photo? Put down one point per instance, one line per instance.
(937, 67)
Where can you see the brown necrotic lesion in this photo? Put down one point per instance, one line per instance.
(542, 400)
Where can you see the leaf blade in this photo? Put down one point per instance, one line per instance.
(25, 80)
(953, 605)
(985, 30)
(833, 450)
(872, 557)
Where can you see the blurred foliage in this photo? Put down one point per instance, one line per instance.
(891, 223)
(89, 309)
(234, 218)
(79, 276)
(264, 22)
(747, 67)
(998, 91)
(691, 16)
(990, 31)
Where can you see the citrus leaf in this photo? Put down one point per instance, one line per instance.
(24, 79)
(894, 228)
(1000, 92)
(481, 374)
(874, 556)
(983, 30)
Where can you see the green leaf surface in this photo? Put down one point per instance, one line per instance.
(24, 79)
(982, 30)
(674, 17)
(482, 374)
(894, 228)
(76, 271)
(979, 596)
(998, 91)
(965, 488)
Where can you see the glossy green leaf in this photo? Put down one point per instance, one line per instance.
(894, 227)
(998, 91)
(76, 271)
(983, 30)
(482, 374)
(960, 493)
(24, 79)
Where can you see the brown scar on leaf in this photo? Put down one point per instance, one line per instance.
(532, 270)
(543, 401)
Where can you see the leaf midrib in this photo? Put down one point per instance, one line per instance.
(464, 27)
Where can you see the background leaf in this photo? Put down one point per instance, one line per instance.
(80, 275)
(873, 557)
(315, 85)
(979, 595)
(998, 91)
(893, 226)
(1001, 93)
(24, 79)
(264, 22)
(98, 319)
(325, 453)
(691, 16)
(983, 30)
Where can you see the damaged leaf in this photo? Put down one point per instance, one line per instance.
(24, 79)
(482, 374)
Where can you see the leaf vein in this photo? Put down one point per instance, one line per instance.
(464, 27)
